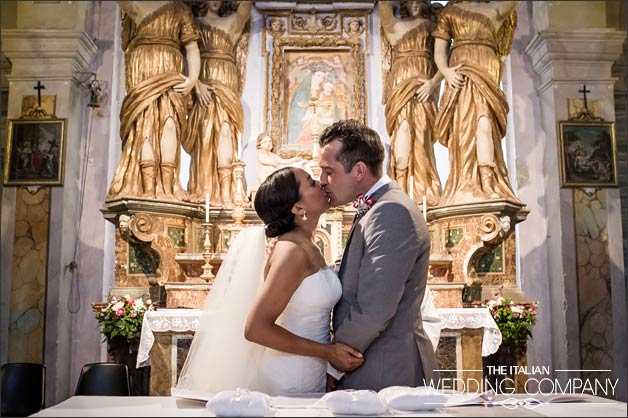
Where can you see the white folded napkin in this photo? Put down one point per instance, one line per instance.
(354, 402)
(240, 403)
(406, 398)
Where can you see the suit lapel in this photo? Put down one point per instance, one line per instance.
(376, 196)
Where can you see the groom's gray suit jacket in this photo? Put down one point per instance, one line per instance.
(384, 275)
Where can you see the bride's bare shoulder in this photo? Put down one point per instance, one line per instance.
(288, 251)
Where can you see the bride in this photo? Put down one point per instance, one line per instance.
(267, 327)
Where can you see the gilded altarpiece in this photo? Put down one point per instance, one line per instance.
(315, 74)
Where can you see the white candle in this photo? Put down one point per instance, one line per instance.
(207, 208)
(424, 208)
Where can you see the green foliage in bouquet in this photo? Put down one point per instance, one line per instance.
(515, 320)
(122, 317)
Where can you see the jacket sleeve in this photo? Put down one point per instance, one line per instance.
(391, 251)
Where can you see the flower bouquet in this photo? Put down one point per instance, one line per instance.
(122, 317)
(515, 320)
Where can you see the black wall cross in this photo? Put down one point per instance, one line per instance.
(39, 87)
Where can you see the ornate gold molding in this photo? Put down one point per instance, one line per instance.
(316, 43)
(314, 28)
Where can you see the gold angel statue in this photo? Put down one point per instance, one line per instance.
(472, 118)
(217, 119)
(410, 103)
(153, 113)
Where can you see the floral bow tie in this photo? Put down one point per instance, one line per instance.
(363, 205)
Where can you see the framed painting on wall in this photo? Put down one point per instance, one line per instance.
(588, 155)
(35, 152)
(315, 82)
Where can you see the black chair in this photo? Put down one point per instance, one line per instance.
(104, 379)
(23, 389)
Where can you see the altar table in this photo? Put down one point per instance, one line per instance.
(181, 320)
(163, 406)
(468, 334)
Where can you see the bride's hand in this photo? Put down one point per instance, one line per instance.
(344, 358)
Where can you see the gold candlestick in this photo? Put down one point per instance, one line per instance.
(207, 275)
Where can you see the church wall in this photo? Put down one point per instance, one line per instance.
(56, 57)
(564, 59)
(101, 136)
(253, 99)
(529, 143)
(559, 15)
(9, 14)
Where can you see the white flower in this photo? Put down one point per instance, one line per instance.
(518, 309)
(118, 305)
(491, 304)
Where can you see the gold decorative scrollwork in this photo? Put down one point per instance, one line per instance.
(494, 229)
(144, 226)
(314, 23)
(167, 267)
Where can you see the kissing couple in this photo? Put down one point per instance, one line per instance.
(267, 324)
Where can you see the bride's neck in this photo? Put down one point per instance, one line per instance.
(306, 228)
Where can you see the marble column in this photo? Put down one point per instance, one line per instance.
(564, 59)
(50, 44)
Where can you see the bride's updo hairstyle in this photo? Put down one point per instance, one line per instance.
(274, 200)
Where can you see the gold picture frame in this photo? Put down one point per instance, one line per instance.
(35, 154)
(588, 154)
(296, 63)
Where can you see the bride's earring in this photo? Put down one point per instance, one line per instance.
(304, 216)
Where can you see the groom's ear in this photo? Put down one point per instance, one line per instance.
(359, 170)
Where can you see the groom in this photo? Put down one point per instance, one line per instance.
(384, 265)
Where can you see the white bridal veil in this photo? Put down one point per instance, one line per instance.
(220, 358)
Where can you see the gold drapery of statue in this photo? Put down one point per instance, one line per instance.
(412, 62)
(478, 47)
(143, 112)
(221, 63)
(154, 65)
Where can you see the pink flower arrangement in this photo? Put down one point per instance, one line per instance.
(515, 320)
(122, 317)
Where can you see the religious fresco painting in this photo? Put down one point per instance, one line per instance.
(35, 152)
(588, 155)
(318, 88)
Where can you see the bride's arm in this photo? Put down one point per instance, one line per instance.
(287, 269)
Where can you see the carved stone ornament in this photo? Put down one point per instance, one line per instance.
(313, 22)
(276, 26)
(494, 229)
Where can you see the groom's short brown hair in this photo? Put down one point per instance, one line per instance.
(359, 143)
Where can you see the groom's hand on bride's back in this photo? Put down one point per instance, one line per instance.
(344, 357)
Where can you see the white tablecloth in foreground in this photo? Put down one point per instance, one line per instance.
(181, 320)
(161, 406)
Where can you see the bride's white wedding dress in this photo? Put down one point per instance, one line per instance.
(308, 315)
(220, 358)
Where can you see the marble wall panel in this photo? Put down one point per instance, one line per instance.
(594, 284)
(28, 284)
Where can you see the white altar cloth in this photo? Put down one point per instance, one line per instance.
(164, 406)
(181, 320)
